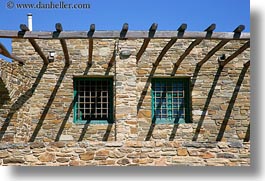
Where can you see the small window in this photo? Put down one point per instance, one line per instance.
(93, 100)
(171, 100)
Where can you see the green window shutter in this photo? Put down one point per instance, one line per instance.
(93, 100)
(170, 100)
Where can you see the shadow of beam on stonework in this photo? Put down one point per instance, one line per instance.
(247, 137)
(231, 104)
(144, 91)
(194, 77)
(150, 132)
(69, 111)
(174, 132)
(48, 105)
(21, 101)
(207, 103)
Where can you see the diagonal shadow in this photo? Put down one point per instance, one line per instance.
(208, 100)
(231, 103)
(144, 91)
(49, 103)
(150, 132)
(247, 137)
(173, 133)
(194, 77)
(69, 111)
(21, 101)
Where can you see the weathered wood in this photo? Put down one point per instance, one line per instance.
(211, 28)
(23, 27)
(129, 35)
(182, 27)
(164, 51)
(153, 27)
(212, 52)
(90, 51)
(231, 57)
(124, 30)
(38, 50)
(152, 31)
(247, 64)
(36, 47)
(58, 27)
(65, 52)
(239, 29)
(6, 53)
(92, 27)
(187, 52)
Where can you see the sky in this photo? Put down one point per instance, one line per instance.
(139, 14)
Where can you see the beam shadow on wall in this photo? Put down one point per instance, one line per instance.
(144, 91)
(49, 103)
(69, 111)
(231, 104)
(247, 137)
(207, 103)
(21, 101)
(173, 133)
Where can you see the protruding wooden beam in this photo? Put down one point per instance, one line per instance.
(23, 27)
(211, 28)
(239, 29)
(90, 52)
(231, 57)
(247, 64)
(182, 27)
(212, 52)
(6, 53)
(153, 27)
(124, 30)
(38, 50)
(91, 30)
(187, 52)
(36, 47)
(59, 29)
(152, 31)
(164, 51)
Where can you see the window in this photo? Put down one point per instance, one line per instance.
(93, 98)
(170, 100)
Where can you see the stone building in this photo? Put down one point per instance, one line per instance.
(123, 98)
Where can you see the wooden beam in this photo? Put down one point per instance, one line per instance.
(231, 57)
(59, 29)
(91, 31)
(187, 52)
(124, 30)
(211, 28)
(212, 52)
(38, 50)
(182, 27)
(152, 31)
(239, 29)
(90, 52)
(129, 35)
(164, 51)
(36, 47)
(6, 53)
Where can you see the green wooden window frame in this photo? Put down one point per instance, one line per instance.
(171, 100)
(93, 100)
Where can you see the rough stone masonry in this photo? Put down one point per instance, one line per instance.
(36, 107)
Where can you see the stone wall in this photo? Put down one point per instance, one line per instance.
(127, 153)
(42, 112)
